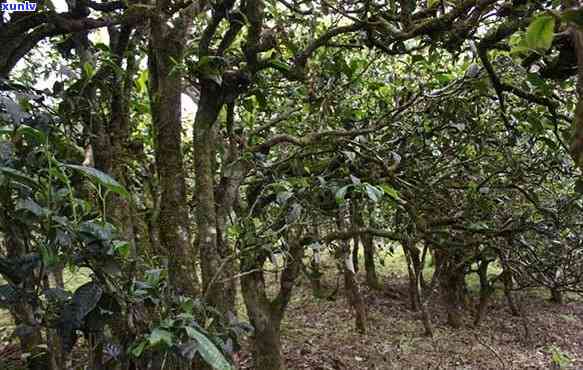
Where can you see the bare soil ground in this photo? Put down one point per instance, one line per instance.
(320, 335)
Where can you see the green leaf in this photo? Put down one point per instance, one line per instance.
(208, 350)
(32, 134)
(540, 32)
(341, 194)
(279, 64)
(160, 336)
(88, 70)
(102, 178)
(20, 177)
(142, 81)
(122, 248)
(139, 348)
(32, 206)
(390, 191)
(373, 193)
(432, 3)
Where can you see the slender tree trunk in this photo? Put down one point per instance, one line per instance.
(315, 275)
(233, 171)
(357, 222)
(414, 300)
(351, 286)
(214, 270)
(576, 147)
(372, 279)
(556, 296)
(486, 291)
(355, 251)
(507, 280)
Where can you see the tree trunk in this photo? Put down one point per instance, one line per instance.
(486, 291)
(23, 313)
(556, 296)
(576, 147)
(414, 300)
(267, 352)
(418, 296)
(265, 314)
(507, 280)
(372, 279)
(351, 286)
(452, 286)
(266, 322)
(214, 272)
(109, 136)
(315, 275)
(167, 47)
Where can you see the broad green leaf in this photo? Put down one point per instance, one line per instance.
(32, 134)
(20, 177)
(160, 336)
(540, 32)
(32, 206)
(373, 193)
(432, 3)
(208, 350)
(122, 248)
(102, 178)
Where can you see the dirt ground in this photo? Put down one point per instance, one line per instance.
(320, 335)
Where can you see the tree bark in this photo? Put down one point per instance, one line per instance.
(452, 286)
(351, 286)
(166, 48)
(486, 291)
(214, 271)
(265, 314)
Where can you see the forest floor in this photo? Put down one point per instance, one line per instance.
(319, 334)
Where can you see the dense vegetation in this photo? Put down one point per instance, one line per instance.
(189, 162)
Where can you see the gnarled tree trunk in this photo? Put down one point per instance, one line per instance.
(266, 314)
(452, 284)
(166, 48)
